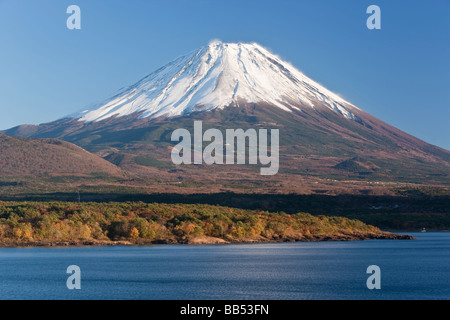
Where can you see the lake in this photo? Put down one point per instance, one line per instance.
(410, 269)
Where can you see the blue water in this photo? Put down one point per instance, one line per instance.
(417, 269)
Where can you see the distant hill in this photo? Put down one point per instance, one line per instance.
(39, 157)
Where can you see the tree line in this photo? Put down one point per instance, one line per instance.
(153, 222)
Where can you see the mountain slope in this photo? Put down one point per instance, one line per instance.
(217, 76)
(39, 157)
(245, 86)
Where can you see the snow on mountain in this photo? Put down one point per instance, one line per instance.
(217, 76)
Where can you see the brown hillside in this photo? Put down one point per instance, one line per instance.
(37, 157)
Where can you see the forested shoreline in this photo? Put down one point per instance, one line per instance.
(138, 223)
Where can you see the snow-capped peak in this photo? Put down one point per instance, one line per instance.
(217, 76)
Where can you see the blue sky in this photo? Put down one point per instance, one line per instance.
(400, 74)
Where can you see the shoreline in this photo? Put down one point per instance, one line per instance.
(207, 241)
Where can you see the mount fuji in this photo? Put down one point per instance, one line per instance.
(217, 76)
(243, 85)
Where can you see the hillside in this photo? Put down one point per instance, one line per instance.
(49, 157)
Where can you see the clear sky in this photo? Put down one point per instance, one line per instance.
(400, 74)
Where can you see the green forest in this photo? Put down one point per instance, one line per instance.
(23, 223)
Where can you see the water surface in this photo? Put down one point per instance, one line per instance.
(410, 269)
